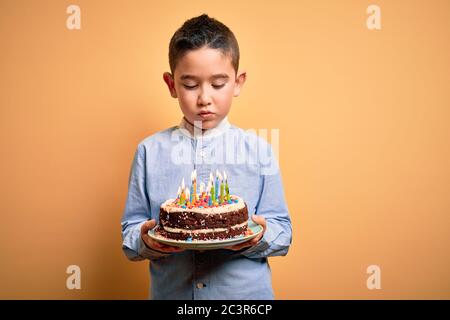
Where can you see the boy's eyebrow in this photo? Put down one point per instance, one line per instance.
(213, 77)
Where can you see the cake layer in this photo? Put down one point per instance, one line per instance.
(191, 220)
(211, 235)
(171, 205)
(210, 230)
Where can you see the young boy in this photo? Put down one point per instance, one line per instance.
(204, 61)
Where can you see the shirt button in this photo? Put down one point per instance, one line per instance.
(200, 285)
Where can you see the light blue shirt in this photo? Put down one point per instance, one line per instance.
(160, 163)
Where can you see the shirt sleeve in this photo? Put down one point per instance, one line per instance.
(272, 206)
(137, 211)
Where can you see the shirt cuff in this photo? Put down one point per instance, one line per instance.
(262, 245)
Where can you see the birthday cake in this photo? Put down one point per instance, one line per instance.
(211, 214)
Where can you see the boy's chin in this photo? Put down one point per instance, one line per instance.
(209, 124)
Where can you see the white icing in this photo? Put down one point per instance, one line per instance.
(169, 207)
(197, 231)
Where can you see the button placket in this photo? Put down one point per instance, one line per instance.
(201, 151)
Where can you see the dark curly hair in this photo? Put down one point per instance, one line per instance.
(202, 31)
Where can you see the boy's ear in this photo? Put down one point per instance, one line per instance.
(240, 80)
(168, 79)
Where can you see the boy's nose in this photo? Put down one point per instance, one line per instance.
(204, 98)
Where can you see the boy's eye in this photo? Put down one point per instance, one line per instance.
(215, 86)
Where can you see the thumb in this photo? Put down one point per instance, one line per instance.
(147, 226)
(259, 220)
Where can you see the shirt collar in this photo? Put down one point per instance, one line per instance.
(186, 129)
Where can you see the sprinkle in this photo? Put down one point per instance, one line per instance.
(200, 206)
(189, 239)
(184, 207)
(229, 201)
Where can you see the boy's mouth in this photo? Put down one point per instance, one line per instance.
(206, 114)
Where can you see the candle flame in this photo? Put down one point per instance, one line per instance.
(224, 175)
(202, 187)
(182, 184)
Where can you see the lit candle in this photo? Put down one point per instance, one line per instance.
(194, 185)
(178, 194)
(227, 190)
(187, 196)
(217, 184)
(208, 188)
(202, 190)
(182, 196)
(211, 180)
(222, 186)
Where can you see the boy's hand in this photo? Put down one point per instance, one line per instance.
(250, 243)
(158, 246)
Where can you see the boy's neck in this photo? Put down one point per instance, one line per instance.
(190, 127)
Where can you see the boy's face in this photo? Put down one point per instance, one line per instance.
(204, 81)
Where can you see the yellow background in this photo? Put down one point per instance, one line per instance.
(364, 139)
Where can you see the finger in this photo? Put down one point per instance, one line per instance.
(234, 248)
(158, 244)
(167, 248)
(249, 243)
(240, 245)
(256, 240)
(171, 249)
(150, 224)
(258, 219)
